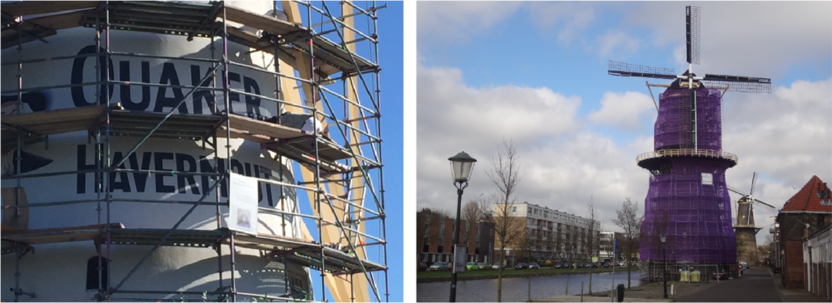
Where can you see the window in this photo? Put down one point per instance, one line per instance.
(92, 273)
(513, 208)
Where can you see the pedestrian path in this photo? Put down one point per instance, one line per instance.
(756, 285)
(795, 295)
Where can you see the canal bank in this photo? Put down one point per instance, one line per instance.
(521, 289)
(433, 277)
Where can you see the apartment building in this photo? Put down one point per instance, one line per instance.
(549, 234)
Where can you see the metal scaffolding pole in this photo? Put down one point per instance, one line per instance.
(226, 95)
(18, 153)
(107, 165)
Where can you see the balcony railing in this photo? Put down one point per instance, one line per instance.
(687, 152)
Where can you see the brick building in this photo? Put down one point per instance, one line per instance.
(435, 238)
(804, 214)
(817, 254)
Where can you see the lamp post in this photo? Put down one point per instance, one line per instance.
(663, 237)
(461, 166)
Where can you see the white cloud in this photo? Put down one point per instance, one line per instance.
(560, 160)
(623, 110)
(617, 42)
(569, 19)
(763, 39)
(456, 22)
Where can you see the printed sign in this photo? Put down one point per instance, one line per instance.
(459, 258)
(242, 204)
(707, 179)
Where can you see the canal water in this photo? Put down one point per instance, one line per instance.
(517, 289)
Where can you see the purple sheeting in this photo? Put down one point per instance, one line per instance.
(675, 121)
(698, 216)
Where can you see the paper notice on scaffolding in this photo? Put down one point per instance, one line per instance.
(707, 179)
(242, 204)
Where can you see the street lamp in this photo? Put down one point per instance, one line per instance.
(461, 166)
(663, 237)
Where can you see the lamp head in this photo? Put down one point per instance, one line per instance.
(461, 166)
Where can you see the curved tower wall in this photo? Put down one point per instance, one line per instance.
(673, 126)
(58, 271)
(694, 214)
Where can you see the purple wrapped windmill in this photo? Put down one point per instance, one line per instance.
(688, 198)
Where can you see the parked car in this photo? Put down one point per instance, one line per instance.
(483, 266)
(471, 266)
(521, 266)
(605, 265)
(496, 266)
(534, 265)
(743, 266)
(595, 265)
(722, 275)
(423, 266)
(440, 266)
(559, 265)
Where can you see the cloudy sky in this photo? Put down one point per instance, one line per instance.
(537, 73)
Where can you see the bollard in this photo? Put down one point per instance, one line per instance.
(620, 292)
(530, 290)
(582, 291)
(567, 286)
(673, 289)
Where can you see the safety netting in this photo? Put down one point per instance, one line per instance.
(688, 200)
(674, 125)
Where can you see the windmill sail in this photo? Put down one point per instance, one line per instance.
(634, 70)
(739, 83)
(692, 33)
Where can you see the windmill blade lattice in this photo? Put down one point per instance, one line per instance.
(692, 33)
(634, 70)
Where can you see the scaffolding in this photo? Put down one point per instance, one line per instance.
(344, 184)
(688, 200)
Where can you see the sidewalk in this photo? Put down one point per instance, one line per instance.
(758, 284)
(794, 295)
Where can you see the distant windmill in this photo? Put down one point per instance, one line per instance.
(744, 227)
(688, 199)
(745, 205)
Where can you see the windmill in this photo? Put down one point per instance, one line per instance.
(745, 206)
(688, 198)
(688, 79)
(744, 227)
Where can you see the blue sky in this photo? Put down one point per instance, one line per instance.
(537, 73)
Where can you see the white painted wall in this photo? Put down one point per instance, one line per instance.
(58, 271)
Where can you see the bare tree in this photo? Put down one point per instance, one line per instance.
(472, 212)
(572, 242)
(593, 236)
(651, 230)
(527, 243)
(505, 175)
(629, 220)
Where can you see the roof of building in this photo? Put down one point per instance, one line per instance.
(814, 196)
